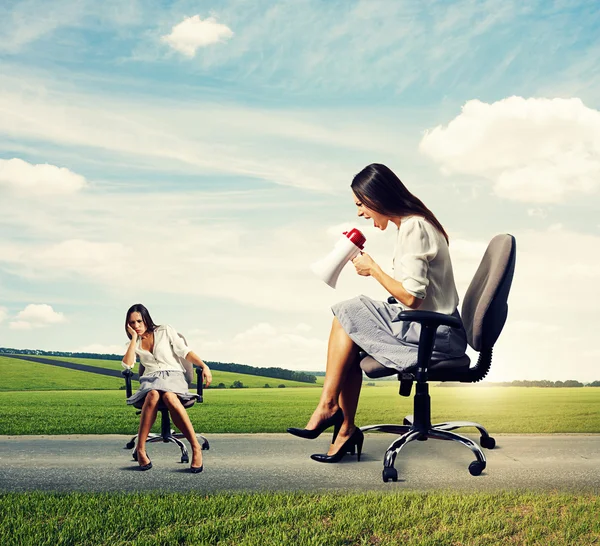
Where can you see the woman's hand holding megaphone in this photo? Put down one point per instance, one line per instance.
(364, 264)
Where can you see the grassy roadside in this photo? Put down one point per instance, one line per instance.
(500, 409)
(22, 375)
(513, 518)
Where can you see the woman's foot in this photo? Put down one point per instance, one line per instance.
(321, 414)
(344, 444)
(322, 419)
(343, 436)
(143, 460)
(196, 457)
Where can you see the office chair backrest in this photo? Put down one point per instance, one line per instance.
(485, 307)
(188, 367)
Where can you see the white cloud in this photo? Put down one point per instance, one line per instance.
(193, 32)
(533, 150)
(20, 325)
(247, 264)
(26, 179)
(266, 345)
(3, 314)
(299, 148)
(537, 213)
(36, 316)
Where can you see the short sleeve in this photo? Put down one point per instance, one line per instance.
(179, 346)
(417, 246)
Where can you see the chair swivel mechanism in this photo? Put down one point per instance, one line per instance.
(484, 312)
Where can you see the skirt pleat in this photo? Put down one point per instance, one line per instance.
(375, 328)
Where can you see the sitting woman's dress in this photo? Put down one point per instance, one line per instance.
(422, 264)
(162, 369)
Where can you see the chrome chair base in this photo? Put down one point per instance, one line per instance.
(440, 431)
(174, 437)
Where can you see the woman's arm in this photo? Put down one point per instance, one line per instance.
(367, 267)
(195, 359)
(129, 358)
(395, 288)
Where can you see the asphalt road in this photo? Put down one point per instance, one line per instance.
(280, 462)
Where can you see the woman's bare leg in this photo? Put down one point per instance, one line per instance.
(147, 419)
(342, 355)
(181, 420)
(349, 396)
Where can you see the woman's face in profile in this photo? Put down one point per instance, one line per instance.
(136, 322)
(379, 220)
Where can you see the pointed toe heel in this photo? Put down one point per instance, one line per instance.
(196, 469)
(335, 420)
(355, 441)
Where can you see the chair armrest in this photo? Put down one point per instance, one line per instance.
(199, 396)
(429, 321)
(127, 374)
(429, 318)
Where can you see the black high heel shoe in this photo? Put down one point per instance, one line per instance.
(335, 420)
(356, 439)
(196, 469)
(146, 466)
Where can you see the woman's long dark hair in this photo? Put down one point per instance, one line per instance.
(141, 309)
(378, 188)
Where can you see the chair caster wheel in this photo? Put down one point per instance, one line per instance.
(476, 468)
(134, 455)
(389, 474)
(205, 445)
(185, 459)
(130, 445)
(488, 443)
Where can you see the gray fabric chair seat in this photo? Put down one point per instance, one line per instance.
(375, 370)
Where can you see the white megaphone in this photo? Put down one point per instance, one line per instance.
(347, 248)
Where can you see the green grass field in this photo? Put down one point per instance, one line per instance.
(500, 409)
(426, 519)
(20, 375)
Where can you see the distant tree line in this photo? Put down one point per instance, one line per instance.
(523, 383)
(276, 373)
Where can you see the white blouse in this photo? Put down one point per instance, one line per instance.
(167, 347)
(422, 264)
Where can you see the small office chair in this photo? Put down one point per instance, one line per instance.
(167, 434)
(484, 312)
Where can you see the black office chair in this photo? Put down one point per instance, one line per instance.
(166, 433)
(484, 312)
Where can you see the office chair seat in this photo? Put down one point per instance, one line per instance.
(375, 370)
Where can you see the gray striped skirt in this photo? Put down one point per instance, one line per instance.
(165, 381)
(375, 328)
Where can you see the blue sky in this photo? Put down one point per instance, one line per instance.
(196, 157)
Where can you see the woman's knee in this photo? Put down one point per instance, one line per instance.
(170, 398)
(152, 397)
